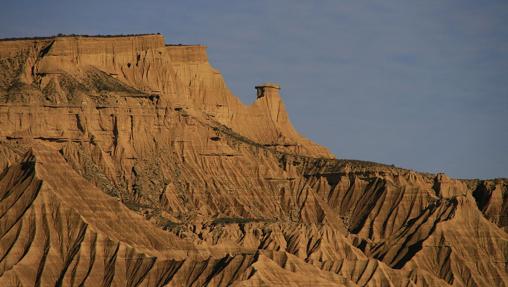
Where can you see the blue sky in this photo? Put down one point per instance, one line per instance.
(418, 84)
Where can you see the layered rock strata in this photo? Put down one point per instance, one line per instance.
(128, 162)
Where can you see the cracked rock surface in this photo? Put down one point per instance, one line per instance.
(128, 162)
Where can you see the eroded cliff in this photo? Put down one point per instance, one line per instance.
(125, 161)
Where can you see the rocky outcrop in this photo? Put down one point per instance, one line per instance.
(125, 161)
(139, 71)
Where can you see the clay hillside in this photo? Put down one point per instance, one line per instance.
(128, 162)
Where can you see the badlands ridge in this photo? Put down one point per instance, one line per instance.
(128, 162)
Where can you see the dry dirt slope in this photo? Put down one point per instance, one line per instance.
(128, 162)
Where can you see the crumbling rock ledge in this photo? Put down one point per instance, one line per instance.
(128, 162)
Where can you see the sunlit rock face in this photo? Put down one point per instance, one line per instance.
(128, 162)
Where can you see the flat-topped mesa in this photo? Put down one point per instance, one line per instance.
(70, 45)
(187, 53)
(101, 52)
(65, 46)
(134, 70)
(267, 90)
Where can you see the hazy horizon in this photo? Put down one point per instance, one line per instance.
(422, 85)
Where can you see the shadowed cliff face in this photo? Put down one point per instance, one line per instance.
(125, 161)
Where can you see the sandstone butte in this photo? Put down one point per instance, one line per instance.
(128, 162)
